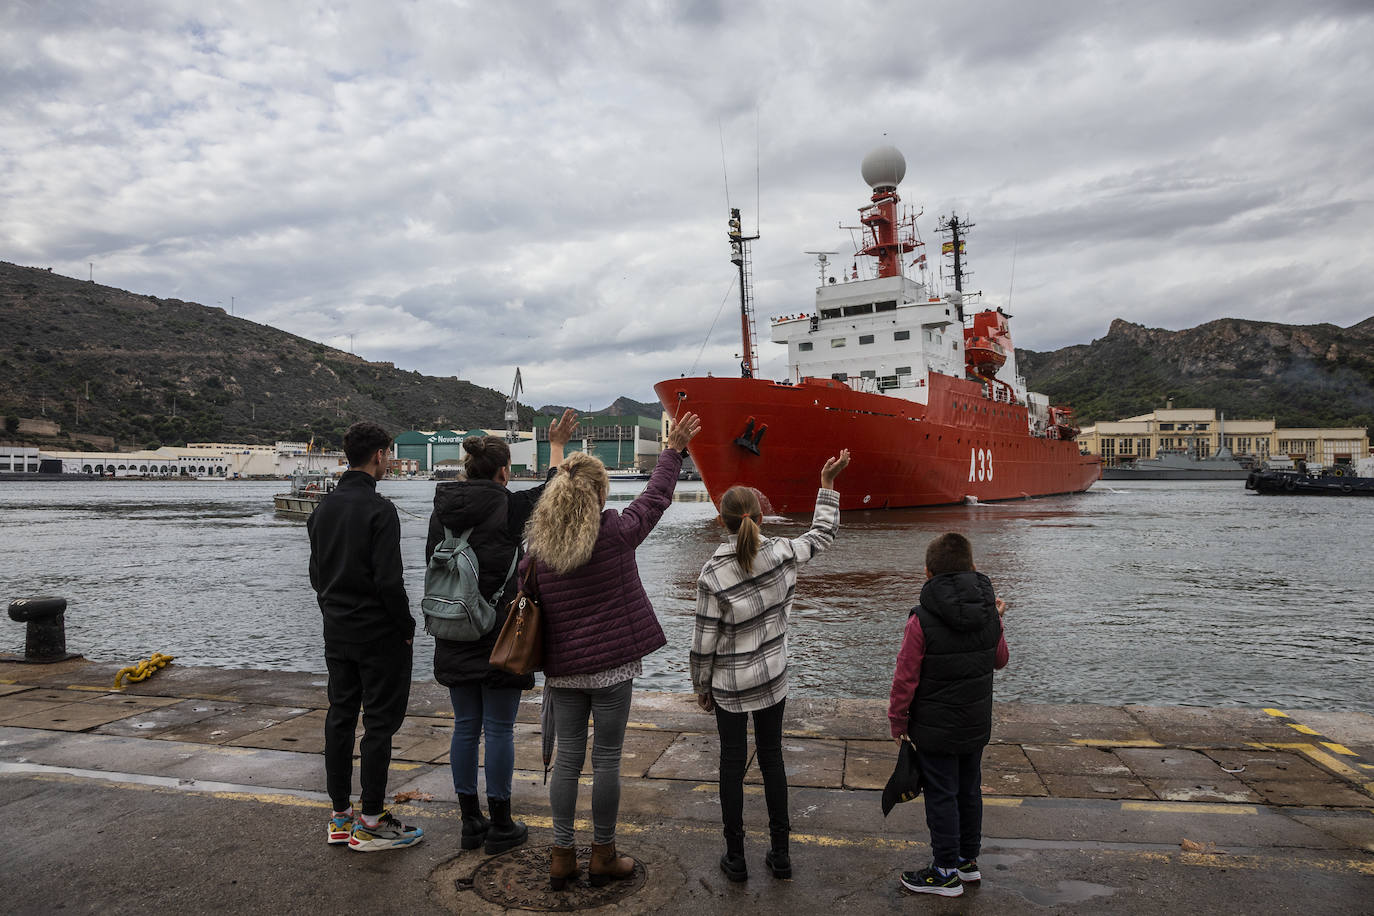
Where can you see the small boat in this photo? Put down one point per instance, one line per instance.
(1343, 480)
(308, 487)
(628, 474)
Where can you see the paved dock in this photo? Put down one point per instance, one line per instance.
(201, 789)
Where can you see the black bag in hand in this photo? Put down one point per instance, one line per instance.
(905, 782)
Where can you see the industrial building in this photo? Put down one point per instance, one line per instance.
(621, 442)
(432, 448)
(1201, 432)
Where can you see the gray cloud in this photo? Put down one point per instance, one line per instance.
(467, 187)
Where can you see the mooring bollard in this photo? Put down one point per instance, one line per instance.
(46, 637)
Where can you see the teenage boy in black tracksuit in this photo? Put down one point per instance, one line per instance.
(942, 702)
(355, 569)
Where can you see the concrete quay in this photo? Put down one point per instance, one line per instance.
(201, 789)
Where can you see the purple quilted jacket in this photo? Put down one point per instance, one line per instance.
(598, 616)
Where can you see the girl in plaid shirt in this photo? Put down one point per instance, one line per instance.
(739, 654)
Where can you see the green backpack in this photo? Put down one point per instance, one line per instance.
(453, 603)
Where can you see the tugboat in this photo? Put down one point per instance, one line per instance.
(876, 367)
(1346, 480)
(308, 487)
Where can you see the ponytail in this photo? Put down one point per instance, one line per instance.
(741, 511)
(747, 544)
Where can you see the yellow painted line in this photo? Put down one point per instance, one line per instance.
(1001, 802)
(1331, 763)
(646, 725)
(406, 766)
(1367, 766)
(1125, 742)
(1303, 728)
(1277, 712)
(1187, 808)
(1340, 748)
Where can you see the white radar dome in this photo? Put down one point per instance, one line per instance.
(885, 167)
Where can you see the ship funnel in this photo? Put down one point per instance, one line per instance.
(885, 167)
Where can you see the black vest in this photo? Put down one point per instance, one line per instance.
(952, 710)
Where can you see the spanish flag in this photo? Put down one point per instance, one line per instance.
(948, 247)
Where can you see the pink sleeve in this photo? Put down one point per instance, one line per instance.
(907, 676)
(1003, 656)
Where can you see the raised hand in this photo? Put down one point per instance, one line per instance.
(687, 426)
(833, 467)
(561, 430)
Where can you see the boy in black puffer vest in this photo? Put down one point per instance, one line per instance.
(941, 701)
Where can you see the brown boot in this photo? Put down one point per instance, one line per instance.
(562, 867)
(606, 865)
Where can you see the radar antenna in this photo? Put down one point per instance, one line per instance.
(822, 261)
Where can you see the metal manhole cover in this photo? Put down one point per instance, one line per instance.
(520, 880)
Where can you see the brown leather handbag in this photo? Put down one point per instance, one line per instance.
(519, 648)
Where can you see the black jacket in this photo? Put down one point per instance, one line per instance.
(498, 517)
(952, 710)
(355, 564)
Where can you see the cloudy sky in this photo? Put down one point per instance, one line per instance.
(468, 187)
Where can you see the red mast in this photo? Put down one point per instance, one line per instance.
(884, 169)
(739, 256)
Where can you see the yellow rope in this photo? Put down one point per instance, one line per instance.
(144, 669)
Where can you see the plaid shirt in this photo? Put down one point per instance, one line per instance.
(739, 649)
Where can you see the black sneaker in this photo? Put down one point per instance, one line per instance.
(930, 881)
(968, 871)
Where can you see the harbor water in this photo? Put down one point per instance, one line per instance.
(1150, 592)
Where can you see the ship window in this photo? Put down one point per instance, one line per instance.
(868, 373)
(840, 376)
(864, 309)
(903, 370)
(804, 345)
(1166, 426)
(930, 335)
(865, 339)
(830, 313)
(901, 335)
(888, 306)
(836, 342)
(939, 338)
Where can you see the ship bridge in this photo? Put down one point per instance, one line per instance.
(885, 335)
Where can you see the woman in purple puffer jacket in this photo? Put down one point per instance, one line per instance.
(598, 624)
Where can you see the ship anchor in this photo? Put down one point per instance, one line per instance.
(750, 439)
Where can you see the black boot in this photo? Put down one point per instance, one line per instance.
(733, 863)
(778, 859)
(505, 834)
(475, 825)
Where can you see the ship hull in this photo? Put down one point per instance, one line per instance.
(958, 445)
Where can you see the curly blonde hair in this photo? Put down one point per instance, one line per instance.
(562, 531)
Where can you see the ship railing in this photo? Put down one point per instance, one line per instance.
(888, 382)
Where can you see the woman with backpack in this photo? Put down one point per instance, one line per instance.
(598, 625)
(485, 699)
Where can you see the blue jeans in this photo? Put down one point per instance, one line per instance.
(478, 709)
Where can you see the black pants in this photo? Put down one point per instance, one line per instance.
(734, 755)
(375, 676)
(954, 805)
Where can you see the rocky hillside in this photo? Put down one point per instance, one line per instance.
(1300, 375)
(150, 371)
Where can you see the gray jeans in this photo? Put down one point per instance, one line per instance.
(609, 708)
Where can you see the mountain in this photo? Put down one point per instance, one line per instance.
(1298, 375)
(146, 371)
(620, 407)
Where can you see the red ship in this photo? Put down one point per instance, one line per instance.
(928, 402)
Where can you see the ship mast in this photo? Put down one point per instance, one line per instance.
(955, 247)
(739, 256)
